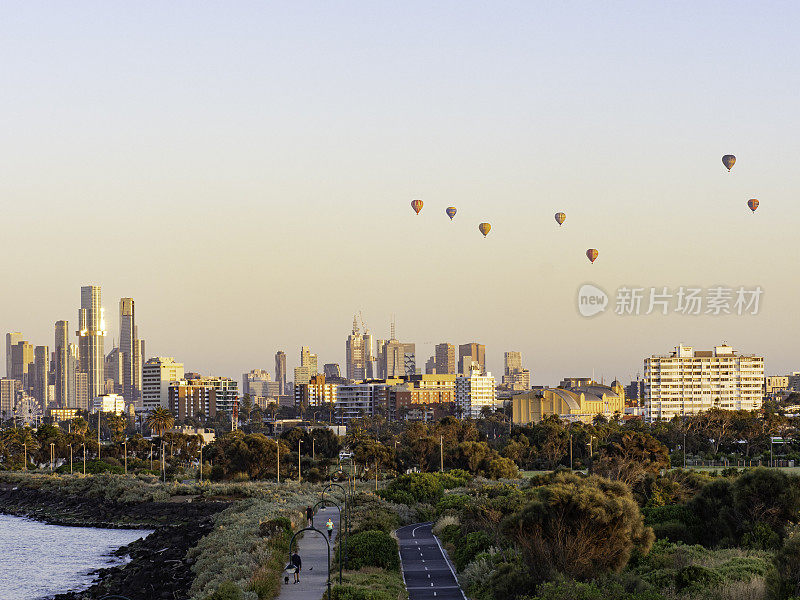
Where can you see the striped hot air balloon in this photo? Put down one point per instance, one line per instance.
(451, 212)
(592, 254)
(753, 204)
(729, 160)
(560, 218)
(416, 205)
(484, 228)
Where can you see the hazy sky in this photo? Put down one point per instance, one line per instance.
(244, 171)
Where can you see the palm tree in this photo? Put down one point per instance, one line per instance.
(160, 420)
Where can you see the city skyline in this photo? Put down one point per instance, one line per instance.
(618, 117)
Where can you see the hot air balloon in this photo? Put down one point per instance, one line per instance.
(591, 254)
(560, 218)
(451, 212)
(484, 228)
(416, 205)
(729, 160)
(753, 204)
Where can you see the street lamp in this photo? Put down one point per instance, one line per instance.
(52, 455)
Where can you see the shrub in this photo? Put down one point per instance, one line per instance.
(593, 518)
(784, 582)
(443, 522)
(451, 502)
(372, 549)
(698, 577)
(469, 546)
(454, 478)
(226, 591)
(414, 488)
(450, 533)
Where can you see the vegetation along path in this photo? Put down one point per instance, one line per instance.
(427, 572)
(314, 553)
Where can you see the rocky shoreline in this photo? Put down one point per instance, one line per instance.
(158, 567)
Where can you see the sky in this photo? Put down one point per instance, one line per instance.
(245, 170)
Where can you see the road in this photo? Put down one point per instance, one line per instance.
(427, 572)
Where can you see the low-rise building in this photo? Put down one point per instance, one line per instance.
(578, 399)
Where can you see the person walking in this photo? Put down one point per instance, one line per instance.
(310, 516)
(329, 527)
(298, 564)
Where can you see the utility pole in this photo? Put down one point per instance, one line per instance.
(299, 473)
(52, 455)
(201, 463)
(376, 474)
(441, 454)
(84, 458)
(278, 446)
(125, 450)
(70, 459)
(99, 412)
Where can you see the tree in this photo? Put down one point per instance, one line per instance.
(581, 527)
(630, 456)
(117, 424)
(552, 440)
(160, 420)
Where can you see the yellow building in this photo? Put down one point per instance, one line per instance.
(575, 400)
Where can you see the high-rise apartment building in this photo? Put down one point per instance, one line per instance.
(22, 364)
(91, 338)
(280, 370)
(226, 392)
(81, 390)
(192, 399)
(445, 359)
(10, 389)
(131, 351)
(316, 392)
(689, 381)
(41, 375)
(12, 339)
(61, 368)
(113, 371)
(430, 366)
(469, 353)
(393, 359)
(157, 374)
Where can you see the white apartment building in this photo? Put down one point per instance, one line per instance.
(689, 381)
(475, 391)
(362, 399)
(157, 374)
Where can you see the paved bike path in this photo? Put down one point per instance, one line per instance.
(314, 553)
(427, 572)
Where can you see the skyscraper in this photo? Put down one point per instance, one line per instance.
(62, 381)
(91, 339)
(445, 359)
(307, 359)
(22, 364)
(12, 339)
(355, 366)
(514, 376)
(127, 348)
(41, 375)
(473, 352)
(512, 361)
(280, 370)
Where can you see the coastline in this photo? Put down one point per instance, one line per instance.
(158, 567)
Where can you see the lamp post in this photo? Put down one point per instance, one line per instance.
(70, 459)
(84, 457)
(324, 537)
(278, 446)
(347, 502)
(52, 455)
(299, 472)
(125, 453)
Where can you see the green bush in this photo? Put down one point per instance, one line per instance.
(450, 534)
(569, 589)
(697, 577)
(454, 478)
(451, 502)
(784, 581)
(469, 546)
(226, 591)
(414, 488)
(372, 549)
